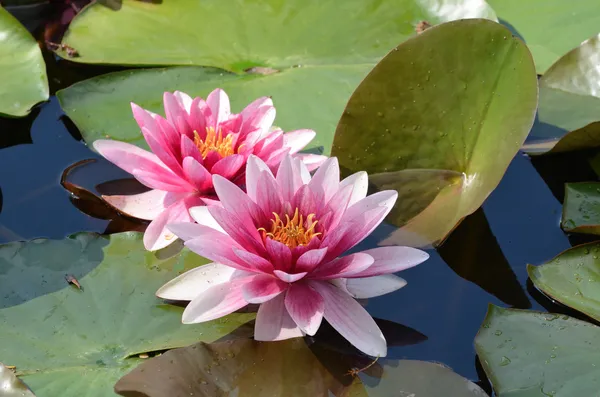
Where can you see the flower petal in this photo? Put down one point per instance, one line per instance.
(274, 323)
(360, 183)
(162, 182)
(254, 261)
(312, 161)
(279, 253)
(289, 278)
(262, 288)
(351, 320)
(218, 102)
(157, 234)
(370, 287)
(392, 259)
(325, 181)
(254, 167)
(235, 201)
(342, 267)
(129, 157)
(185, 101)
(310, 259)
(217, 301)
(305, 306)
(190, 284)
(288, 180)
(297, 140)
(197, 175)
(202, 216)
(147, 205)
(268, 195)
(229, 166)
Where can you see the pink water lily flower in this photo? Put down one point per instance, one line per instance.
(197, 139)
(280, 245)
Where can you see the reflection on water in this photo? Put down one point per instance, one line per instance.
(435, 317)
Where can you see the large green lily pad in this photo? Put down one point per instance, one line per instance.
(436, 120)
(80, 342)
(236, 35)
(572, 278)
(23, 80)
(304, 97)
(569, 109)
(549, 27)
(288, 368)
(581, 210)
(533, 354)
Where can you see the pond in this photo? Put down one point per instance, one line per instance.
(78, 310)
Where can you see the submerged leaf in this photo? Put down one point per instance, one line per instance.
(533, 354)
(558, 25)
(572, 278)
(581, 210)
(84, 340)
(436, 120)
(569, 109)
(23, 80)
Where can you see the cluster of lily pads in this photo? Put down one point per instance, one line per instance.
(435, 113)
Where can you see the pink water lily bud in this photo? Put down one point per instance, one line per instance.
(281, 243)
(197, 139)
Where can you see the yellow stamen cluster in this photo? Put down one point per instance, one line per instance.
(293, 232)
(214, 142)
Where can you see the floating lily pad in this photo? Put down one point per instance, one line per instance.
(80, 342)
(436, 120)
(569, 109)
(23, 80)
(304, 97)
(533, 354)
(558, 25)
(572, 278)
(288, 368)
(10, 385)
(581, 210)
(239, 35)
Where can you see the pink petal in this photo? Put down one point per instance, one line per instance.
(202, 216)
(189, 149)
(162, 182)
(254, 261)
(280, 254)
(392, 259)
(229, 166)
(351, 320)
(262, 288)
(217, 301)
(370, 287)
(218, 102)
(289, 278)
(312, 161)
(255, 105)
(186, 230)
(272, 142)
(325, 181)
(200, 115)
(235, 201)
(360, 183)
(162, 151)
(300, 167)
(172, 136)
(274, 323)
(173, 109)
(184, 100)
(190, 284)
(337, 207)
(310, 259)
(198, 176)
(258, 114)
(147, 205)
(297, 140)
(130, 157)
(304, 201)
(288, 180)
(157, 234)
(254, 167)
(384, 199)
(268, 195)
(305, 306)
(142, 116)
(341, 267)
(246, 236)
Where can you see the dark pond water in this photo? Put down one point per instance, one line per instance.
(438, 313)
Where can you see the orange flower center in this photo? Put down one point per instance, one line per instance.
(294, 232)
(214, 141)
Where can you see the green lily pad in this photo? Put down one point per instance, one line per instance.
(23, 80)
(436, 120)
(572, 278)
(10, 385)
(304, 97)
(581, 210)
(533, 354)
(558, 25)
(288, 368)
(239, 35)
(569, 109)
(74, 342)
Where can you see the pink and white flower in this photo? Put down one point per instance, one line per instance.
(198, 139)
(280, 245)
